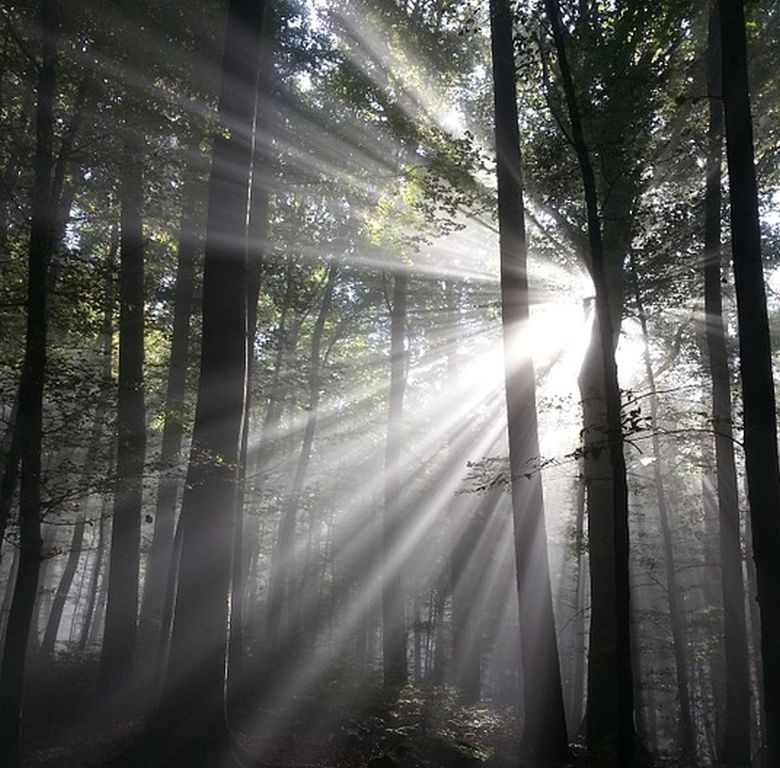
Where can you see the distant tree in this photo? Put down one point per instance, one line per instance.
(105, 351)
(673, 590)
(394, 634)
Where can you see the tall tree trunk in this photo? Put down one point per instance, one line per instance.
(448, 574)
(712, 587)
(303, 602)
(194, 699)
(246, 540)
(616, 717)
(544, 730)
(119, 639)
(465, 582)
(94, 579)
(30, 416)
(173, 427)
(49, 641)
(735, 749)
(686, 733)
(755, 357)
(394, 663)
(269, 432)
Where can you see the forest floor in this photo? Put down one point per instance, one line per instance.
(430, 728)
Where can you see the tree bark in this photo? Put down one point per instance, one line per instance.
(755, 355)
(30, 416)
(544, 730)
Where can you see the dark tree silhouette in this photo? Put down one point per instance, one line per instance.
(29, 420)
(544, 731)
(735, 749)
(755, 356)
(194, 696)
(618, 722)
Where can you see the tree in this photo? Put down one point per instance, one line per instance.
(29, 421)
(616, 716)
(118, 651)
(735, 748)
(194, 696)
(544, 731)
(394, 662)
(173, 428)
(673, 591)
(755, 356)
(49, 641)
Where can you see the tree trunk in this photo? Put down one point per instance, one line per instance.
(735, 749)
(578, 624)
(119, 639)
(755, 357)
(94, 580)
(448, 575)
(544, 730)
(194, 698)
(302, 604)
(246, 539)
(8, 591)
(173, 428)
(754, 648)
(46, 649)
(8, 482)
(674, 597)
(30, 416)
(616, 715)
(465, 581)
(394, 663)
(61, 196)
(269, 432)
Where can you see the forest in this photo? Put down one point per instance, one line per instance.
(389, 384)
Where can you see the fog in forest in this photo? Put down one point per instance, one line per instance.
(389, 384)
